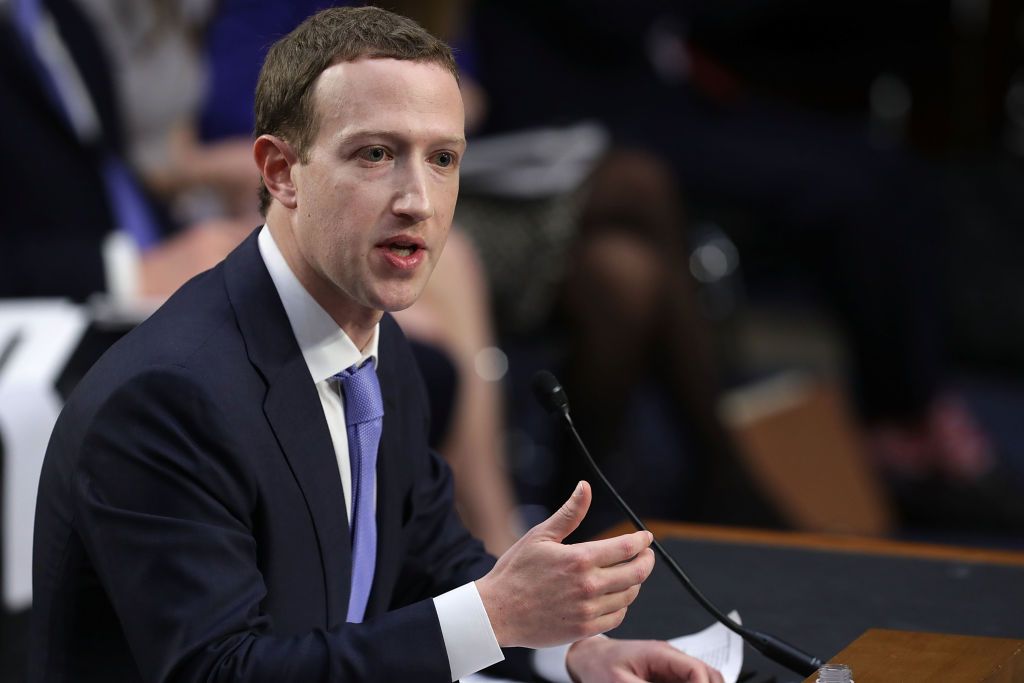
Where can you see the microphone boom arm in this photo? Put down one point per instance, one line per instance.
(551, 395)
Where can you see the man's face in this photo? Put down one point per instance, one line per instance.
(374, 201)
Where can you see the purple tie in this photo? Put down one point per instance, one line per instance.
(364, 413)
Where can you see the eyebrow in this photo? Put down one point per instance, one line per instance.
(391, 135)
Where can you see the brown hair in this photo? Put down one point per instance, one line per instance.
(284, 92)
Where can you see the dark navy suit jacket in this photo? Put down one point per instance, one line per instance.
(191, 522)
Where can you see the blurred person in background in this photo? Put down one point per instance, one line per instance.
(860, 218)
(84, 220)
(155, 48)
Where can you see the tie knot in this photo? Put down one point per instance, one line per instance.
(361, 390)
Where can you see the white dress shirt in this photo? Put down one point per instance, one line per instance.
(468, 637)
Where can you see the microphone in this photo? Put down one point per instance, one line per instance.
(550, 394)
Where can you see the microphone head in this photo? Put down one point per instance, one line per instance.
(549, 393)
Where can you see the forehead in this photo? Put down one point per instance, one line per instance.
(416, 99)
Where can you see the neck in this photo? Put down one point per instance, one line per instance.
(361, 334)
(355, 321)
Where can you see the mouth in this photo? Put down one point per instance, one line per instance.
(403, 245)
(405, 252)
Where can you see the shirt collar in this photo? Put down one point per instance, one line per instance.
(325, 346)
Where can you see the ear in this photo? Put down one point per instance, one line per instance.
(275, 159)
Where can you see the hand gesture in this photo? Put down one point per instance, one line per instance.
(542, 593)
(605, 660)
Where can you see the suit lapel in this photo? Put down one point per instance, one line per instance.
(293, 409)
(296, 415)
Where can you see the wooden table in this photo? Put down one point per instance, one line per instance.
(883, 655)
(860, 545)
(823, 592)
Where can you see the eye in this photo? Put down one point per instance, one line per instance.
(375, 154)
(444, 159)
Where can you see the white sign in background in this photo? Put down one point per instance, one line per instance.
(37, 337)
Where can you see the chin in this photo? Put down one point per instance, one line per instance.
(395, 308)
(394, 302)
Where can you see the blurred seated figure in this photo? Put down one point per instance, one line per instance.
(155, 50)
(863, 223)
(586, 267)
(82, 221)
(159, 75)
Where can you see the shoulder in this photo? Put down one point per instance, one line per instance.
(191, 344)
(191, 325)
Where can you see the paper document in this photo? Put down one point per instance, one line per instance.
(716, 645)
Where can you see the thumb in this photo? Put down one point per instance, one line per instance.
(568, 517)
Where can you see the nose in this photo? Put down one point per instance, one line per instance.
(412, 199)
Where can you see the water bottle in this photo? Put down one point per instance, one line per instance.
(835, 673)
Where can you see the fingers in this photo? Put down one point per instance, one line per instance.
(601, 613)
(614, 602)
(621, 576)
(568, 517)
(604, 612)
(604, 623)
(702, 673)
(697, 673)
(676, 665)
(635, 661)
(610, 551)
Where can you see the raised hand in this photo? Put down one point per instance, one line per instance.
(542, 593)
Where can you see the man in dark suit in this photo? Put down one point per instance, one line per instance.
(206, 510)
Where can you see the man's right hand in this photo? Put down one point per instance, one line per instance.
(543, 593)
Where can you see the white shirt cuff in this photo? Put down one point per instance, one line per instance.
(549, 663)
(468, 636)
